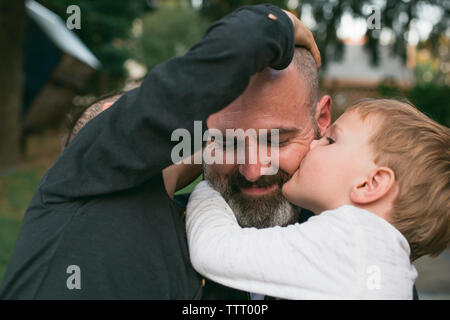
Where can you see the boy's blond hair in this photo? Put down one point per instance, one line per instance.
(417, 149)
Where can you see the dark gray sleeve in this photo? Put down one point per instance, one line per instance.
(131, 141)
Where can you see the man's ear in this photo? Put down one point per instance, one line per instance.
(323, 114)
(375, 187)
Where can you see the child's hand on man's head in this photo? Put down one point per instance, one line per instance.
(304, 37)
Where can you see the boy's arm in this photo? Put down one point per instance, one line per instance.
(130, 142)
(302, 260)
(179, 175)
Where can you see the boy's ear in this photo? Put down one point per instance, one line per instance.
(323, 114)
(375, 187)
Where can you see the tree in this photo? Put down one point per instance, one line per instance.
(12, 20)
(216, 9)
(395, 15)
(167, 32)
(105, 29)
(105, 26)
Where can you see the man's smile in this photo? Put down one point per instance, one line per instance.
(255, 190)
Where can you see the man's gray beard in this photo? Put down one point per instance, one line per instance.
(258, 212)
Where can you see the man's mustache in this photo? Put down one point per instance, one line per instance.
(237, 179)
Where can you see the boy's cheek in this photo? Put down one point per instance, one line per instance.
(297, 192)
(289, 191)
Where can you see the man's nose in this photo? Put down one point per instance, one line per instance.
(251, 172)
(251, 169)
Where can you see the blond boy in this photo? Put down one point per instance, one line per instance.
(380, 180)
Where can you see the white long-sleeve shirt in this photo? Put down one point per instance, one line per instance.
(346, 253)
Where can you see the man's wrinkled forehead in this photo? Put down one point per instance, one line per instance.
(272, 98)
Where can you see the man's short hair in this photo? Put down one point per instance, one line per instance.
(79, 118)
(417, 149)
(306, 65)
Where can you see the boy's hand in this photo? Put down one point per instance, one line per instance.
(304, 37)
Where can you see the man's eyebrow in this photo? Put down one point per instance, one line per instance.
(270, 133)
(286, 130)
(280, 130)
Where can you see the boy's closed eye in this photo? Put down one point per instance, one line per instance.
(326, 140)
(329, 136)
(330, 140)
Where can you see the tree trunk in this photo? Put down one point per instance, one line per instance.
(12, 20)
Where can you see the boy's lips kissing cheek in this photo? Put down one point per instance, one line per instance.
(292, 180)
(295, 174)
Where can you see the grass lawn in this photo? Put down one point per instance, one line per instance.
(16, 190)
(189, 188)
(9, 229)
(17, 187)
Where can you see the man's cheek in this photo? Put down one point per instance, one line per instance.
(222, 170)
(290, 157)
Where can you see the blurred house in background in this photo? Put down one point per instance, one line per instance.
(354, 77)
(57, 66)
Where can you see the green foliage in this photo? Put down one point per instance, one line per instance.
(431, 98)
(395, 15)
(167, 32)
(9, 229)
(174, 26)
(16, 190)
(216, 9)
(389, 89)
(190, 187)
(105, 27)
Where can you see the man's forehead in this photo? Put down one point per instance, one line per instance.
(273, 98)
(261, 119)
(261, 116)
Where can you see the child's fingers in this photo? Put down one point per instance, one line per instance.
(316, 54)
(304, 37)
(307, 40)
